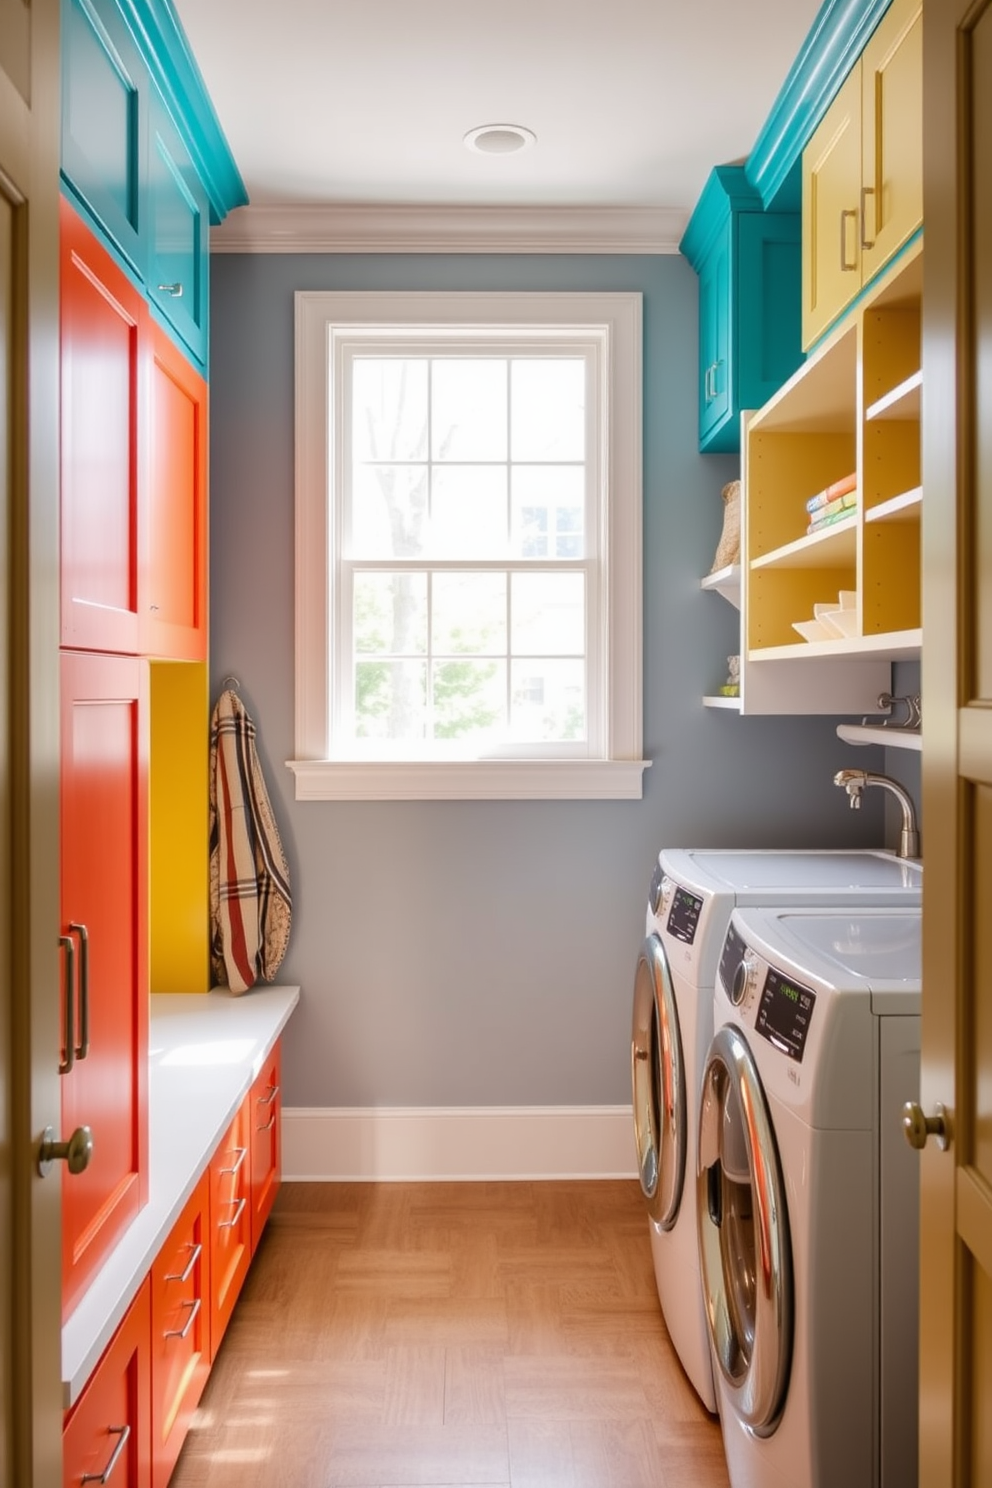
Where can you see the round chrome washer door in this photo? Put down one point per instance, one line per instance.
(657, 1074)
(743, 1229)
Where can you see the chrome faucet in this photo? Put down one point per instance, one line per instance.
(855, 782)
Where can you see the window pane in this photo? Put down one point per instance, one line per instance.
(547, 614)
(468, 412)
(470, 700)
(548, 511)
(388, 511)
(468, 511)
(390, 700)
(389, 408)
(468, 614)
(390, 614)
(548, 408)
(547, 701)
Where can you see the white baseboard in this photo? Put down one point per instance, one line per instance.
(419, 1143)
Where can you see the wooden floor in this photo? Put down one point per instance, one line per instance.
(392, 1335)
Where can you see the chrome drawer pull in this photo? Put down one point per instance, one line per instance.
(194, 1308)
(195, 1254)
(269, 1124)
(242, 1153)
(123, 1432)
(228, 1224)
(175, 290)
(266, 1100)
(83, 1047)
(68, 990)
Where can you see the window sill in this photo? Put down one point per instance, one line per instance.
(469, 780)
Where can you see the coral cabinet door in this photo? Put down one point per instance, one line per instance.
(104, 769)
(103, 340)
(180, 1330)
(174, 537)
(106, 1436)
(266, 1143)
(230, 1221)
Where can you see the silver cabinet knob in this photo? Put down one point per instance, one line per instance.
(76, 1153)
(917, 1127)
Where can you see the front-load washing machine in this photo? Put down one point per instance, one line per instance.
(807, 1197)
(692, 895)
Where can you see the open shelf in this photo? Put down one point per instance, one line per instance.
(725, 581)
(890, 738)
(734, 703)
(903, 402)
(902, 508)
(828, 548)
(897, 645)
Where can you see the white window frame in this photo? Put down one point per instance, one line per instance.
(613, 322)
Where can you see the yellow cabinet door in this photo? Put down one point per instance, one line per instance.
(831, 226)
(892, 134)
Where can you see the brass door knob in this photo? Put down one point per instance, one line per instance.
(917, 1127)
(75, 1153)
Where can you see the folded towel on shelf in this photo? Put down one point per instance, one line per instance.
(250, 902)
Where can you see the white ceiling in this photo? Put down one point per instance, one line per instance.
(367, 101)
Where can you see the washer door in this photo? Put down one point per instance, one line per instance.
(743, 1235)
(657, 1072)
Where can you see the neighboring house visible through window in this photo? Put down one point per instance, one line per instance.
(468, 545)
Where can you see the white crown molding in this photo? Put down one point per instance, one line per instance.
(406, 1144)
(414, 229)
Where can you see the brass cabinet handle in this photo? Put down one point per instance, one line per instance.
(847, 214)
(269, 1124)
(122, 1433)
(69, 1003)
(866, 192)
(195, 1252)
(83, 1047)
(266, 1100)
(242, 1153)
(228, 1224)
(194, 1310)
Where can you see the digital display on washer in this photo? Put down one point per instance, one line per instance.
(784, 1014)
(733, 955)
(683, 917)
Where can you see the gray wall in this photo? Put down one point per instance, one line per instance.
(481, 953)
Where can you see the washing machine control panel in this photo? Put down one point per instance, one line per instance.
(784, 1013)
(683, 917)
(731, 959)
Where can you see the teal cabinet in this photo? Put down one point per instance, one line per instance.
(143, 156)
(104, 122)
(178, 235)
(750, 300)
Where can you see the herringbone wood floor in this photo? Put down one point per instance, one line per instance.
(418, 1335)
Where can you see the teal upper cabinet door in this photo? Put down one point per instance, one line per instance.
(179, 243)
(750, 302)
(104, 121)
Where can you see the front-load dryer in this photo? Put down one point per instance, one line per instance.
(692, 895)
(807, 1198)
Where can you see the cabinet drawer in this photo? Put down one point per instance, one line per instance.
(106, 1436)
(265, 1102)
(230, 1221)
(180, 1301)
(179, 227)
(174, 526)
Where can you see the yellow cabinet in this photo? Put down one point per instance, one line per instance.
(863, 170)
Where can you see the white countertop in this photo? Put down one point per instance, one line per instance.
(203, 1054)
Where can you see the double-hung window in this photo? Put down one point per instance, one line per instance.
(468, 546)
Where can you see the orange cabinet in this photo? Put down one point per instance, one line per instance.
(103, 331)
(180, 1324)
(105, 1438)
(104, 1056)
(265, 1103)
(230, 1221)
(174, 526)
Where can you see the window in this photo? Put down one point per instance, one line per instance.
(468, 516)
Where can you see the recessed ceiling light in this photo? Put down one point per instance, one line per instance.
(499, 139)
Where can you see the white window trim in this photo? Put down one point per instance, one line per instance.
(618, 774)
